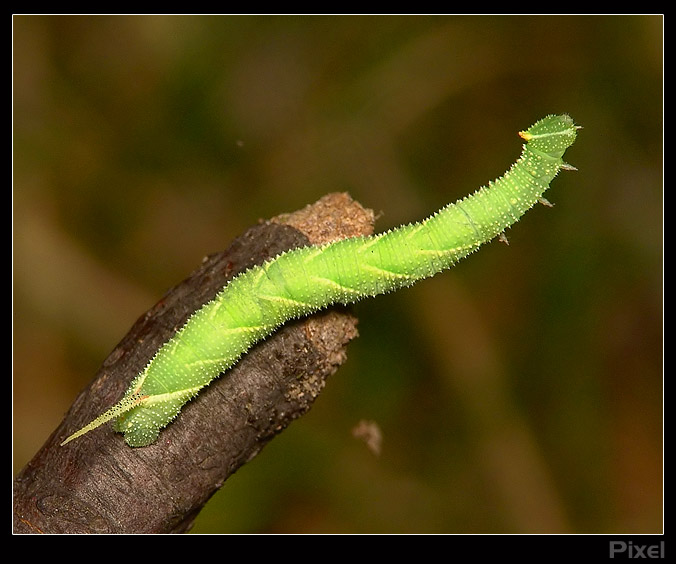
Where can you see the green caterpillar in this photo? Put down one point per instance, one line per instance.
(302, 281)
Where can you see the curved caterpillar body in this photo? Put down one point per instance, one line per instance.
(302, 281)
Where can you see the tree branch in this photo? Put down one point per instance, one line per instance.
(98, 484)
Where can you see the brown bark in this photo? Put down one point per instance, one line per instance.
(98, 484)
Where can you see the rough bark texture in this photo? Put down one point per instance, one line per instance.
(97, 484)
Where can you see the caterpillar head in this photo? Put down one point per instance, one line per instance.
(551, 135)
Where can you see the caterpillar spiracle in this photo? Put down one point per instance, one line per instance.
(299, 282)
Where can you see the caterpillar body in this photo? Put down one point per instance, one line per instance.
(299, 282)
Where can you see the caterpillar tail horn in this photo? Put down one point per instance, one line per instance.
(123, 406)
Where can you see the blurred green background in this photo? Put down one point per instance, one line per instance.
(519, 393)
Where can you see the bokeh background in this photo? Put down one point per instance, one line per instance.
(521, 392)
